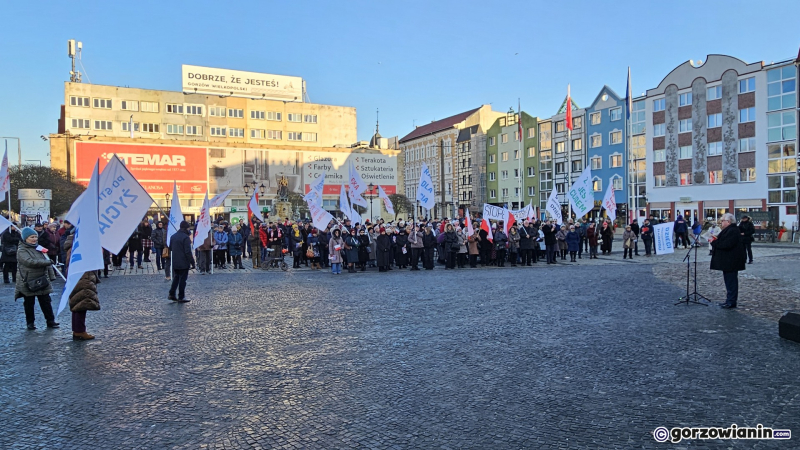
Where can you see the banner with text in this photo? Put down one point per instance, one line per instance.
(662, 233)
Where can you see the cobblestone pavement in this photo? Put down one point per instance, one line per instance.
(543, 357)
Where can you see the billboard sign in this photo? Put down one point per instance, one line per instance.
(154, 166)
(236, 83)
(380, 170)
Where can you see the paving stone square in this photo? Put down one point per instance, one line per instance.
(587, 356)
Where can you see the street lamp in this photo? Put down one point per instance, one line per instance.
(261, 189)
(371, 196)
(246, 188)
(166, 196)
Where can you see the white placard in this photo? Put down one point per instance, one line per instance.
(662, 233)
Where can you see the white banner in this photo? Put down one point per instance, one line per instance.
(237, 83)
(175, 214)
(357, 186)
(87, 253)
(554, 206)
(491, 212)
(319, 216)
(662, 233)
(203, 225)
(425, 189)
(387, 202)
(610, 203)
(581, 194)
(523, 214)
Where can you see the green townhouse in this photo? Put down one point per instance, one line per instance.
(511, 164)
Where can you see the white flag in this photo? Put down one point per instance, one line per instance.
(87, 253)
(554, 206)
(470, 229)
(610, 203)
(203, 225)
(581, 194)
(315, 191)
(218, 199)
(662, 234)
(175, 214)
(357, 186)
(425, 189)
(4, 224)
(320, 217)
(253, 209)
(344, 206)
(4, 177)
(387, 202)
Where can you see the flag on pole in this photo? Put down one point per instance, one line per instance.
(344, 206)
(315, 191)
(629, 99)
(509, 221)
(175, 213)
(4, 177)
(357, 187)
(470, 229)
(485, 227)
(253, 210)
(4, 224)
(531, 211)
(320, 217)
(203, 225)
(130, 125)
(87, 253)
(425, 188)
(569, 110)
(581, 194)
(387, 202)
(519, 121)
(554, 207)
(218, 199)
(610, 203)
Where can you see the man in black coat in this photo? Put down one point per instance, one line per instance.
(526, 240)
(550, 230)
(729, 257)
(636, 231)
(180, 245)
(747, 230)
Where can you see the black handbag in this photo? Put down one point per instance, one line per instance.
(37, 284)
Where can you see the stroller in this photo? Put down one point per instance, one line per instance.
(274, 261)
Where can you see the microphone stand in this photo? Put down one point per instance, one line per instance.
(694, 296)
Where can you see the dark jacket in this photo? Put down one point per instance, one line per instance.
(10, 241)
(235, 244)
(549, 234)
(500, 239)
(647, 232)
(428, 240)
(680, 225)
(527, 235)
(180, 244)
(729, 254)
(32, 264)
(159, 238)
(635, 228)
(383, 250)
(747, 229)
(591, 235)
(573, 241)
(451, 241)
(84, 296)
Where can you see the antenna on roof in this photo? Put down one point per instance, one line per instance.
(74, 75)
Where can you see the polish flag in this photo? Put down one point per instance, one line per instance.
(569, 110)
(252, 209)
(485, 226)
(510, 220)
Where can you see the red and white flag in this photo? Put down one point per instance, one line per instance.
(569, 110)
(470, 230)
(485, 226)
(252, 210)
(510, 220)
(4, 178)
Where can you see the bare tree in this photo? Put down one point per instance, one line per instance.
(401, 204)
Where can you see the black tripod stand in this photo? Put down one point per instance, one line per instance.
(694, 296)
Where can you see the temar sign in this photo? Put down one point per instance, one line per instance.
(235, 83)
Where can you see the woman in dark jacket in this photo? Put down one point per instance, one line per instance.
(607, 234)
(295, 245)
(83, 298)
(729, 257)
(351, 244)
(146, 233)
(34, 265)
(363, 249)
(159, 242)
(450, 246)
(429, 245)
(549, 230)
(747, 230)
(383, 251)
(500, 240)
(573, 240)
(10, 241)
(591, 235)
(236, 247)
(400, 248)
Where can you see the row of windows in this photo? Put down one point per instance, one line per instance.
(746, 175)
(190, 109)
(613, 161)
(596, 140)
(614, 114)
(504, 174)
(191, 130)
(715, 92)
(597, 183)
(504, 192)
(714, 148)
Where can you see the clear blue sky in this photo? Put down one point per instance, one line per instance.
(415, 60)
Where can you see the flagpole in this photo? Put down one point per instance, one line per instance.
(519, 154)
(629, 128)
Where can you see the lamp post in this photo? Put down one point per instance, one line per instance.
(166, 196)
(371, 196)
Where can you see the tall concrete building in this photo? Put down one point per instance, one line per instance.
(607, 148)
(512, 161)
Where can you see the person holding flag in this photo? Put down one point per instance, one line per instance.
(34, 283)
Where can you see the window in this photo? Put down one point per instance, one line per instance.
(492, 159)
(577, 166)
(309, 137)
(659, 155)
(714, 148)
(561, 168)
(516, 173)
(236, 113)
(504, 174)
(504, 138)
(149, 106)
(174, 129)
(273, 115)
(531, 132)
(781, 88)
(102, 125)
(294, 136)
(560, 126)
(516, 135)
(531, 191)
(659, 130)
(150, 127)
(615, 137)
(492, 193)
(781, 158)
(685, 125)
(216, 111)
(713, 93)
(531, 172)
(747, 175)
(258, 115)
(275, 135)
(659, 105)
(747, 115)
(686, 179)
(615, 160)
(595, 140)
(505, 192)
(218, 131)
(516, 154)
(544, 137)
(492, 140)
(597, 184)
(492, 176)
(714, 177)
(714, 120)
(781, 126)
(577, 144)
(129, 105)
(256, 134)
(747, 85)
(79, 101)
(577, 122)
(103, 103)
(781, 189)
(504, 156)
(659, 181)
(531, 152)
(685, 152)
(126, 126)
(617, 182)
(559, 147)
(560, 188)
(173, 108)
(615, 113)
(596, 162)
(546, 161)
(310, 118)
(80, 123)
(236, 132)
(294, 117)
(594, 118)
(194, 130)
(747, 145)
(685, 99)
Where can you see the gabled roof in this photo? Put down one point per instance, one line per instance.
(610, 92)
(563, 108)
(437, 126)
(465, 134)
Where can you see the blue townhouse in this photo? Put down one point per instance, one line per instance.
(606, 150)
